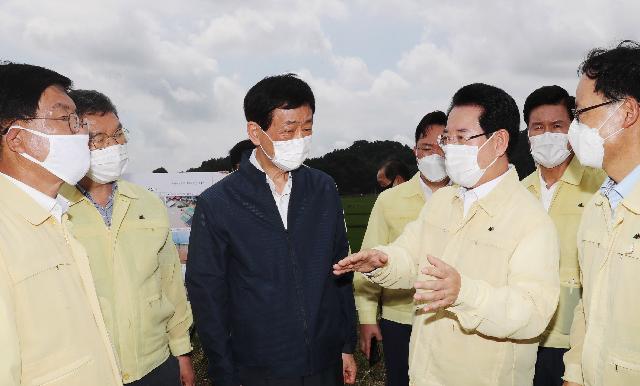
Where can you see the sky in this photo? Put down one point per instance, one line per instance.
(178, 70)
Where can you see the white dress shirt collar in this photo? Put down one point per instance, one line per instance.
(281, 199)
(470, 196)
(546, 195)
(55, 206)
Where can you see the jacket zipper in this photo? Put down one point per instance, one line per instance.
(300, 294)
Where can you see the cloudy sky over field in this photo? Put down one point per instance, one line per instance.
(178, 70)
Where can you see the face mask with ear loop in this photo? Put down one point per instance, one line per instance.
(587, 143)
(68, 157)
(461, 162)
(289, 155)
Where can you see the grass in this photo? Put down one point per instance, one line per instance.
(356, 210)
(356, 213)
(366, 376)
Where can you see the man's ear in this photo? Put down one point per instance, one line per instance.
(13, 141)
(252, 132)
(502, 141)
(632, 112)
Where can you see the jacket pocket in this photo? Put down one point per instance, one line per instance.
(621, 372)
(60, 376)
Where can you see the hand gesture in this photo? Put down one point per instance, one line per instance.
(363, 261)
(444, 290)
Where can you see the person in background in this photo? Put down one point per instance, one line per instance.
(236, 152)
(392, 211)
(605, 343)
(564, 187)
(51, 328)
(267, 309)
(483, 256)
(134, 262)
(392, 173)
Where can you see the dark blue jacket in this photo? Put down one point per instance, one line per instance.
(264, 298)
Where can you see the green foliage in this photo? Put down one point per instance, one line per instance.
(354, 168)
(356, 213)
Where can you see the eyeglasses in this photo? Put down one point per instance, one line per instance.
(101, 140)
(576, 112)
(72, 119)
(444, 140)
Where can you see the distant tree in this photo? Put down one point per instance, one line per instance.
(161, 169)
(354, 168)
(222, 164)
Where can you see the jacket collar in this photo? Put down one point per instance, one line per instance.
(572, 175)
(260, 199)
(412, 187)
(74, 195)
(21, 203)
(494, 201)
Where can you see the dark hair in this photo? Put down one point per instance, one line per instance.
(276, 92)
(616, 71)
(393, 168)
(235, 154)
(499, 110)
(21, 86)
(548, 95)
(433, 118)
(92, 102)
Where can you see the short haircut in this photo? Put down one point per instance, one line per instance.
(92, 102)
(433, 118)
(499, 110)
(548, 95)
(393, 168)
(21, 86)
(276, 92)
(235, 154)
(616, 71)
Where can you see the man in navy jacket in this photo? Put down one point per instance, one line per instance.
(267, 308)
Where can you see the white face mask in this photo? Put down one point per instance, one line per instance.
(587, 142)
(432, 167)
(550, 149)
(108, 164)
(68, 157)
(461, 163)
(289, 155)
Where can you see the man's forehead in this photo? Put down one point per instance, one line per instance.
(585, 91)
(102, 123)
(55, 98)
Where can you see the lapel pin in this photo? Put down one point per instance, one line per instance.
(490, 229)
(637, 236)
(580, 205)
(141, 217)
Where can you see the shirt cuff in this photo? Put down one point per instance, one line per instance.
(467, 297)
(180, 346)
(368, 316)
(573, 373)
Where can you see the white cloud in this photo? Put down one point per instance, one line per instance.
(178, 71)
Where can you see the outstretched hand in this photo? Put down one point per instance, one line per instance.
(364, 261)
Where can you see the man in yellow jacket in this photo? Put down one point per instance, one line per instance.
(134, 262)
(564, 187)
(483, 257)
(605, 335)
(51, 328)
(393, 210)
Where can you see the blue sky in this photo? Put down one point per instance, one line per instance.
(178, 71)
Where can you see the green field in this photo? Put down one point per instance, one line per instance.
(356, 211)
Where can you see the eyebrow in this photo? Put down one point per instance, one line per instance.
(310, 120)
(63, 106)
